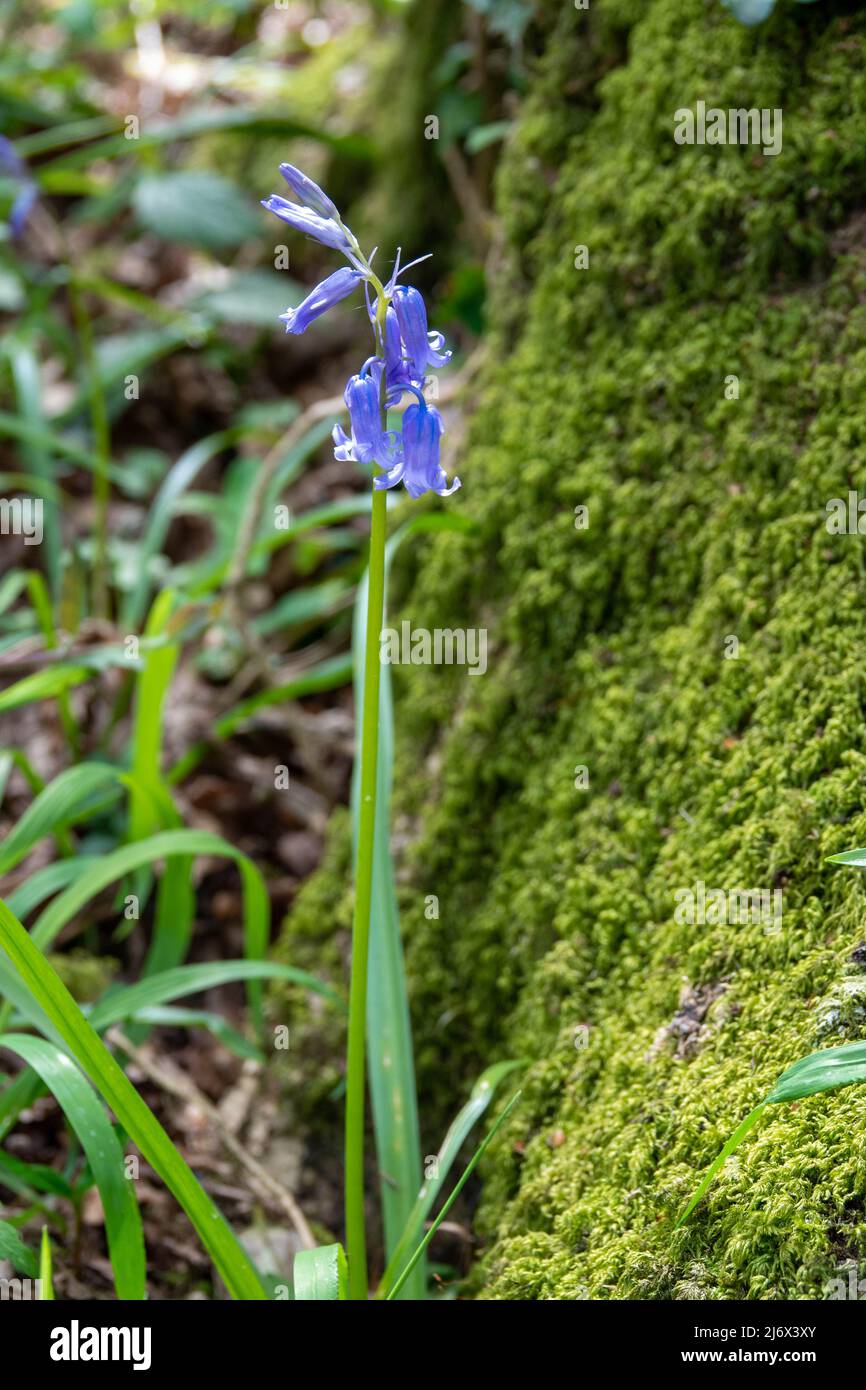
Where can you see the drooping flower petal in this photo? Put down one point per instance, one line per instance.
(396, 367)
(319, 300)
(422, 471)
(309, 192)
(323, 229)
(412, 317)
(369, 442)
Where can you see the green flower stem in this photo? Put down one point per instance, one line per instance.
(356, 1064)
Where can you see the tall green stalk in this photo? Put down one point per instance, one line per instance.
(356, 1063)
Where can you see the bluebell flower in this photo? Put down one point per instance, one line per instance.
(420, 469)
(369, 441)
(309, 193)
(337, 286)
(323, 229)
(405, 348)
(396, 367)
(423, 349)
(13, 165)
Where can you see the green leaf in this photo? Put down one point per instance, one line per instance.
(56, 806)
(718, 1163)
(855, 857)
(192, 979)
(484, 135)
(482, 1094)
(46, 1276)
(124, 860)
(302, 606)
(185, 126)
(133, 1114)
(45, 882)
(151, 688)
(14, 991)
(329, 674)
(13, 1249)
(434, 1226)
(389, 1036)
(102, 1150)
(321, 1274)
(33, 1177)
(165, 1016)
(195, 207)
(28, 390)
(44, 685)
(821, 1071)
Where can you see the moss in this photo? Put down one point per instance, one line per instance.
(606, 388)
(85, 976)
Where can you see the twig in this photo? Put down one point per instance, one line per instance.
(172, 1080)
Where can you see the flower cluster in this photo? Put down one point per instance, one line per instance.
(405, 349)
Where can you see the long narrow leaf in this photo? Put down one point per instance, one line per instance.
(56, 805)
(147, 852)
(461, 1126)
(389, 1038)
(718, 1163)
(43, 685)
(102, 1150)
(458, 1188)
(13, 1249)
(46, 1273)
(321, 1274)
(192, 979)
(139, 1122)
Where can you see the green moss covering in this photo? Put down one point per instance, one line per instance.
(606, 388)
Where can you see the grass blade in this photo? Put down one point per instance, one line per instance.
(168, 843)
(45, 882)
(192, 979)
(43, 685)
(141, 1125)
(13, 1249)
(321, 1274)
(55, 807)
(102, 1150)
(734, 1142)
(46, 1275)
(467, 1171)
(152, 683)
(28, 391)
(482, 1094)
(390, 1061)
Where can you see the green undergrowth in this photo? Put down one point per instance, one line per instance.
(605, 388)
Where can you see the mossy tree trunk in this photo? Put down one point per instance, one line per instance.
(697, 647)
